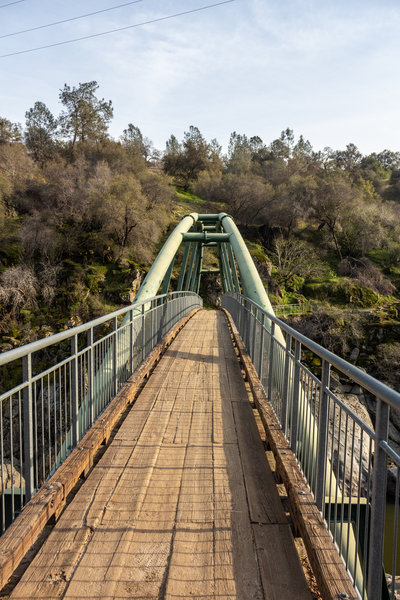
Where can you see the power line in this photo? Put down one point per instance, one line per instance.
(86, 37)
(97, 12)
(10, 3)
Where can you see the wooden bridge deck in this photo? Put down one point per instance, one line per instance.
(183, 503)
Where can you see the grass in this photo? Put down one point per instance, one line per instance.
(188, 197)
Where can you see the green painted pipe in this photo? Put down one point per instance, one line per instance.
(183, 267)
(155, 276)
(206, 236)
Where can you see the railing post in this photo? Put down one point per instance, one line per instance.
(378, 505)
(74, 390)
(261, 354)
(271, 360)
(323, 417)
(90, 375)
(143, 335)
(28, 427)
(114, 357)
(285, 399)
(130, 342)
(295, 400)
(253, 345)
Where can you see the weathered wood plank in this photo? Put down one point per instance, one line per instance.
(265, 505)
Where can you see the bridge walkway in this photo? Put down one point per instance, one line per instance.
(183, 503)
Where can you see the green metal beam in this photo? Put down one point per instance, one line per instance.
(183, 266)
(207, 236)
(167, 278)
(252, 285)
(155, 276)
(226, 267)
(233, 268)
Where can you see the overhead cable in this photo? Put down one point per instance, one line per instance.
(11, 3)
(97, 12)
(87, 37)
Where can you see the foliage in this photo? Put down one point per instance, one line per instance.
(80, 211)
(85, 117)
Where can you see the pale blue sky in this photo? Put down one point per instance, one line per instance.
(329, 69)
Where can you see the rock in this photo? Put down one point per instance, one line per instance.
(345, 464)
(396, 586)
(5, 347)
(74, 321)
(346, 388)
(137, 279)
(334, 382)
(357, 390)
(392, 476)
(355, 353)
(11, 476)
(46, 331)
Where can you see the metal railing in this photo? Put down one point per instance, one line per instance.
(344, 459)
(292, 309)
(61, 384)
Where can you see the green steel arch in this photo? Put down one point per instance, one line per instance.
(196, 232)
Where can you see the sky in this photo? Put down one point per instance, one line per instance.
(328, 69)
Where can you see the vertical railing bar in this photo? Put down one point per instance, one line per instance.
(11, 456)
(3, 496)
(344, 480)
(378, 504)
(130, 342)
(285, 399)
(261, 356)
(323, 419)
(143, 335)
(114, 357)
(350, 491)
(43, 431)
(358, 513)
(271, 361)
(21, 452)
(367, 519)
(90, 367)
(28, 425)
(395, 532)
(295, 399)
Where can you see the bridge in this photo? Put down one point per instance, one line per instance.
(167, 451)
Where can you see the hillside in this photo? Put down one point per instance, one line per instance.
(82, 217)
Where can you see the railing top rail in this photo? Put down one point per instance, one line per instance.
(32, 347)
(377, 388)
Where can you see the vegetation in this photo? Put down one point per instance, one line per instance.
(81, 214)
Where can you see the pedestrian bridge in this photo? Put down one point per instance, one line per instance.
(167, 451)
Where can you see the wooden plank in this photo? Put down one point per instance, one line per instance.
(17, 540)
(236, 571)
(280, 567)
(191, 570)
(264, 502)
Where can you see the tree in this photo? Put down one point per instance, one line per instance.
(41, 127)
(186, 160)
(85, 117)
(134, 141)
(9, 132)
